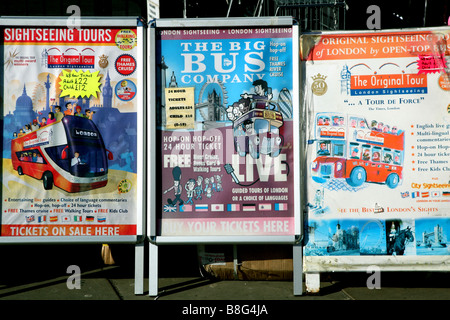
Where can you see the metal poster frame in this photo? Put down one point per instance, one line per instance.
(381, 213)
(140, 67)
(155, 202)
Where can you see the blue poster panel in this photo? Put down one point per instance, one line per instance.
(226, 105)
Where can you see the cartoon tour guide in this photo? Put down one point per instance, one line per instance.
(263, 94)
(176, 173)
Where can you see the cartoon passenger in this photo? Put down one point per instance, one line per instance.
(199, 188)
(69, 109)
(176, 173)
(263, 94)
(323, 151)
(355, 153)
(376, 156)
(387, 158)
(366, 155)
(219, 182)
(190, 186)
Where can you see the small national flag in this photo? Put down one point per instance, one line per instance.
(405, 194)
(101, 219)
(30, 218)
(249, 207)
(53, 218)
(446, 193)
(281, 206)
(415, 194)
(42, 218)
(77, 218)
(435, 194)
(90, 218)
(201, 207)
(217, 207)
(233, 207)
(66, 219)
(265, 207)
(186, 208)
(169, 208)
(425, 194)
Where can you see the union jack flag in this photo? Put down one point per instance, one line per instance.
(169, 208)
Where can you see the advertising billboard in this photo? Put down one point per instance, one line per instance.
(226, 129)
(72, 130)
(378, 172)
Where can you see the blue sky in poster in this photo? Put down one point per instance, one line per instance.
(235, 62)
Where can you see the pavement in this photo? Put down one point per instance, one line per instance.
(40, 273)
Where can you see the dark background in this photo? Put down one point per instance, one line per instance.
(394, 14)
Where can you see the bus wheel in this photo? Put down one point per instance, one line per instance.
(392, 180)
(357, 177)
(20, 171)
(48, 181)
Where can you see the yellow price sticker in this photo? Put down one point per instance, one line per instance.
(79, 83)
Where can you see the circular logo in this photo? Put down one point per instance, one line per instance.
(444, 82)
(125, 64)
(124, 186)
(125, 39)
(103, 61)
(125, 90)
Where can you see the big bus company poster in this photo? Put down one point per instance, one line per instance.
(378, 144)
(226, 104)
(69, 131)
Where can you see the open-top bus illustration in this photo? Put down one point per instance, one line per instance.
(69, 154)
(346, 147)
(257, 132)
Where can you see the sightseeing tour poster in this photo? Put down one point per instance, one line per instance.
(226, 105)
(70, 105)
(378, 114)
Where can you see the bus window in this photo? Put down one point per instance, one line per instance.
(366, 152)
(387, 155)
(30, 156)
(91, 161)
(354, 151)
(376, 154)
(397, 157)
(55, 154)
(338, 149)
(324, 148)
(261, 126)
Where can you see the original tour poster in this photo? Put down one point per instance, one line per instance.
(226, 107)
(70, 149)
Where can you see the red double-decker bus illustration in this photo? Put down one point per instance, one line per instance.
(69, 154)
(347, 147)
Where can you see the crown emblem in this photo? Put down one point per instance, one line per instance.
(319, 77)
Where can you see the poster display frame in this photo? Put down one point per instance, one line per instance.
(315, 263)
(98, 22)
(154, 202)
